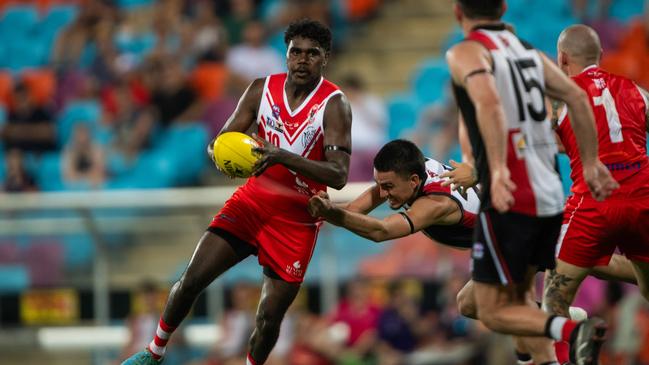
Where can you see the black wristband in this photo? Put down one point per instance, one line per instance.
(412, 226)
(331, 147)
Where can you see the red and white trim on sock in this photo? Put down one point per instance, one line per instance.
(158, 346)
(560, 328)
(250, 360)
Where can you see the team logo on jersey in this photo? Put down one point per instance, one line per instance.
(295, 269)
(312, 113)
(520, 144)
(308, 135)
(275, 124)
(275, 108)
(600, 84)
(478, 251)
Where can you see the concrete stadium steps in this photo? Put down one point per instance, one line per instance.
(158, 262)
(387, 50)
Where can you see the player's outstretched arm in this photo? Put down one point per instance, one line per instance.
(337, 133)
(470, 67)
(244, 115)
(366, 202)
(425, 211)
(582, 120)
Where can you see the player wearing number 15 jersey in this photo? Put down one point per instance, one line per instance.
(499, 83)
(592, 230)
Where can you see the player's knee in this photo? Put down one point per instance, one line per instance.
(188, 286)
(466, 305)
(268, 322)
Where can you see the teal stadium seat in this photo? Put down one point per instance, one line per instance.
(57, 18)
(48, 174)
(14, 278)
(18, 20)
(185, 145)
(177, 158)
(563, 163)
(430, 81)
(85, 111)
(131, 4)
(402, 113)
(78, 251)
(626, 10)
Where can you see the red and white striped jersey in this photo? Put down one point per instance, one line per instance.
(620, 117)
(300, 131)
(531, 147)
(459, 234)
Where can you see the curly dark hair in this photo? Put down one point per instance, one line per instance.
(309, 29)
(401, 156)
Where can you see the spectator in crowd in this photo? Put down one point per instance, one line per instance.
(83, 159)
(172, 97)
(30, 127)
(240, 13)
(237, 323)
(582, 9)
(132, 126)
(17, 179)
(369, 129)
(172, 32)
(82, 32)
(143, 318)
(253, 58)
(632, 56)
(436, 130)
(359, 316)
(209, 38)
(401, 324)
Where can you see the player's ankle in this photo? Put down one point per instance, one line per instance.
(560, 328)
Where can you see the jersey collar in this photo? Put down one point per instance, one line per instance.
(588, 68)
(490, 26)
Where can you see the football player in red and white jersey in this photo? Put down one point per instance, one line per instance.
(592, 230)
(303, 124)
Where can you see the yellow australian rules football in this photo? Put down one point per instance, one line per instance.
(233, 154)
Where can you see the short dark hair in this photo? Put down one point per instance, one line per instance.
(403, 157)
(490, 9)
(309, 29)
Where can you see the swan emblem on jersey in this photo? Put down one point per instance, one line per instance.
(308, 135)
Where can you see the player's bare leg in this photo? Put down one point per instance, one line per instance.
(212, 257)
(619, 268)
(525, 347)
(276, 296)
(641, 270)
(560, 287)
(466, 301)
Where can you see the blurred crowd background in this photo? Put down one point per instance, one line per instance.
(99, 95)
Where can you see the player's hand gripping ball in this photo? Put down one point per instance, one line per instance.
(233, 154)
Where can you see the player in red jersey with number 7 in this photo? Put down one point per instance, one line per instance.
(592, 230)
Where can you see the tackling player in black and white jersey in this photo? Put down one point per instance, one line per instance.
(405, 178)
